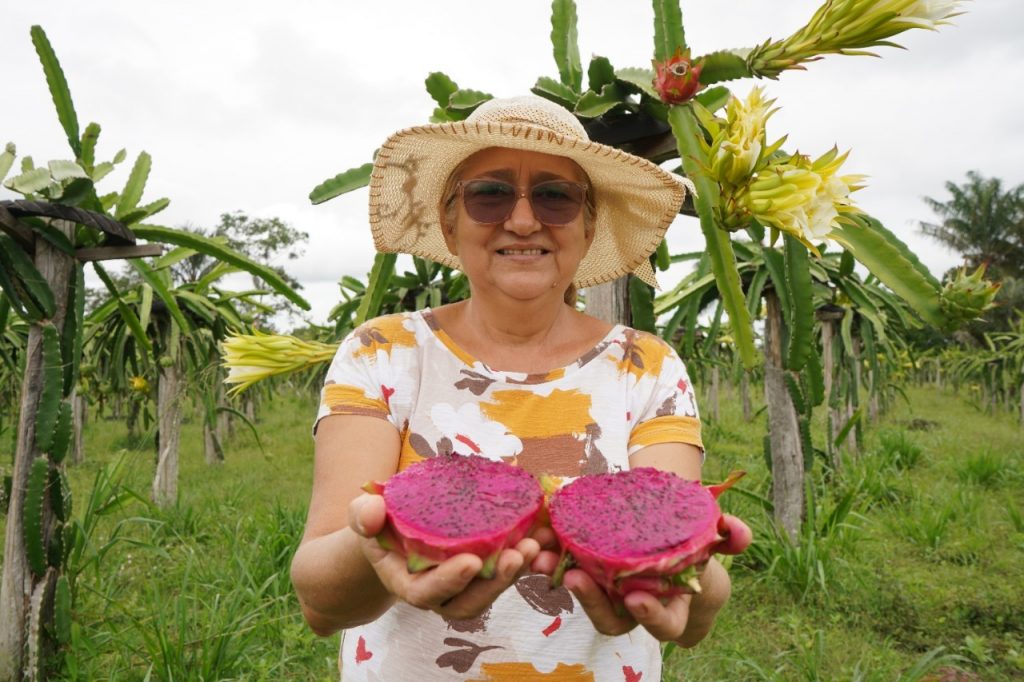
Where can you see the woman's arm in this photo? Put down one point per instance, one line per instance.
(336, 585)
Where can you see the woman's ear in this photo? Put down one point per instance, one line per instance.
(588, 237)
(448, 232)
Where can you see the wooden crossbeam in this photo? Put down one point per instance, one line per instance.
(116, 252)
(16, 229)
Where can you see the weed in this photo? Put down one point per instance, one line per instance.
(976, 648)
(897, 450)
(1015, 516)
(202, 634)
(806, 565)
(182, 524)
(928, 662)
(809, 657)
(874, 485)
(927, 527)
(985, 468)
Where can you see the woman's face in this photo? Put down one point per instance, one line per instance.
(521, 257)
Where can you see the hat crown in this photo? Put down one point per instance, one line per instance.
(531, 111)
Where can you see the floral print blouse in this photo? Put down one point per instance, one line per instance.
(629, 391)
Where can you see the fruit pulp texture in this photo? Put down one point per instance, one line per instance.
(633, 514)
(449, 501)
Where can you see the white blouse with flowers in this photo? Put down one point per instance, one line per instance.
(629, 391)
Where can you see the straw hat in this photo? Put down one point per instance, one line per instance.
(636, 200)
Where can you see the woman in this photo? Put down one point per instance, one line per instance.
(529, 209)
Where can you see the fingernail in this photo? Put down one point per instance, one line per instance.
(512, 570)
(468, 573)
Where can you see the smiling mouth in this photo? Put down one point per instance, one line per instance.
(522, 252)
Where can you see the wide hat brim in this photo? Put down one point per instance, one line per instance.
(636, 200)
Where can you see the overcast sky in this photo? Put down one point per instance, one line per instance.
(248, 106)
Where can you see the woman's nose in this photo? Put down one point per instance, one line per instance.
(522, 221)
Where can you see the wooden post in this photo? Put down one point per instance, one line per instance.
(25, 598)
(784, 429)
(165, 482)
(168, 408)
(853, 440)
(79, 413)
(829, 316)
(610, 302)
(745, 395)
(213, 433)
(713, 398)
(225, 426)
(214, 454)
(249, 406)
(994, 397)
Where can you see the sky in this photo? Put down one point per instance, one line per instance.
(249, 105)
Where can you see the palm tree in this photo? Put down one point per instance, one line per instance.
(983, 222)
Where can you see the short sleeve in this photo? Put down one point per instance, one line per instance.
(664, 409)
(365, 374)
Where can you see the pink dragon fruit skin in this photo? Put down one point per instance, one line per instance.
(639, 530)
(455, 504)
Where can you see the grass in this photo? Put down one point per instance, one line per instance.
(199, 591)
(908, 567)
(920, 576)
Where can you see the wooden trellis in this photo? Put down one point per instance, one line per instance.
(34, 593)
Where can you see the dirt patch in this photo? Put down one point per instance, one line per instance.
(918, 424)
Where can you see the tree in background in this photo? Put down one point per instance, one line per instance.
(985, 224)
(258, 238)
(261, 239)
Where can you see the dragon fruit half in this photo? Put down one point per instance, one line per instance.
(639, 530)
(455, 504)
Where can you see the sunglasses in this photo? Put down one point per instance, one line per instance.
(555, 202)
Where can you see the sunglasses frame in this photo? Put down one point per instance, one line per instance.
(528, 195)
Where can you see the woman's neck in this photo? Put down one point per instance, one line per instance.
(518, 336)
(516, 324)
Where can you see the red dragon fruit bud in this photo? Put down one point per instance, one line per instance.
(677, 79)
(455, 504)
(639, 530)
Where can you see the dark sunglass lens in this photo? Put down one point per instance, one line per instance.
(488, 201)
(557, 203)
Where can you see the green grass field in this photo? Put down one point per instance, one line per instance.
(911, 567)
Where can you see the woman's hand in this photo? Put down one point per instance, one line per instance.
(451, 588)
(685, 619)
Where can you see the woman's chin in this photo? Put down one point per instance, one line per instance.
(529, 289)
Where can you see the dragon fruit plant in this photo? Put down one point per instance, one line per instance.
(454, 504)
(639, 530)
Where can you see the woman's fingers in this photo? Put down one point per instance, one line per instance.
(738, 538)
(452, 588)
(665, 622)
(546, 537)
(480, 593)
(596, 604)
(546, 562)
(439, 585)
(367, 515)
